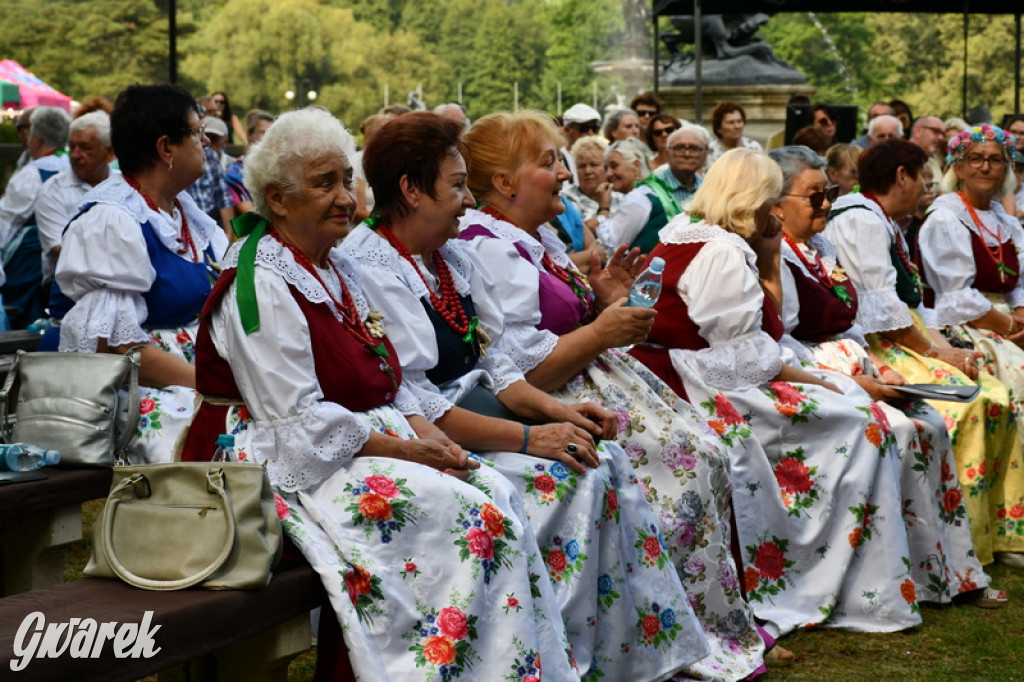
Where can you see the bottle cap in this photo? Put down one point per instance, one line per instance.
(657, 265)
(51, 457)
(225, 440)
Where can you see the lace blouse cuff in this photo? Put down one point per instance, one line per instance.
(501, 369)
(881, 311)
(104, 314)
(431, 403)
(528, 346)
(406, 401)
(960, 307)
(304, 449)
(740, 363)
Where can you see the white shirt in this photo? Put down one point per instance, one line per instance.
(58, 202)
(19, 200)
(629, 218)
(948, 259)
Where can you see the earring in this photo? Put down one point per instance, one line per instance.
(170, 166)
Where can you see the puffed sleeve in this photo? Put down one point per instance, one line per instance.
(498, 364)
(517, 308)
(626, 222)
(724, 300)
(862, 244)
(949, 267)
(301, 438)
(105, 268)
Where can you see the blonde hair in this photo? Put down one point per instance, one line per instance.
(736, 186)
(501, 142)
(951, 183)
(590, 143)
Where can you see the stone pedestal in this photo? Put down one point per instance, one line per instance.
(765, 104)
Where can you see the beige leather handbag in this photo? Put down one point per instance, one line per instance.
(185, 524)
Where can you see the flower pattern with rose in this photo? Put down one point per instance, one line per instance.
(441, 642)
(651, 547)
(864, 515)
(606, 592)
(791, 402)
(796, 481)
(766, 571)
(550, 481)
(379, 503)
(657, 625)
(1010, 519)
(483, 535)
(563, 558)
(364, 591)
(526, 665)
(611, 504)
(729, 424)
(878, 431)
(150, 411)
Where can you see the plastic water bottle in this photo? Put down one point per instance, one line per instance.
(225, 451)
(647, 286)
(26, 457)
(40, 326)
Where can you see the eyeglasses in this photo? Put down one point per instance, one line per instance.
(975, 161)
(646, 112)
(663, 132)
(817, 199)
(825, 122)
(935, 129)
(196, 132)
(217, 100)
(685, 149)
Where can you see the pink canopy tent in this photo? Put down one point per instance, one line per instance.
(32, 91)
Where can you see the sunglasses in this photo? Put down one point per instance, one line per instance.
(817, 199)
(662, 132)
(586, 127)
(646, 112)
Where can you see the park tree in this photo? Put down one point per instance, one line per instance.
(301, 45)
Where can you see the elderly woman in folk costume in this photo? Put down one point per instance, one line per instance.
(427, 558)
(819, 307)
(587, 510)
(985, 440)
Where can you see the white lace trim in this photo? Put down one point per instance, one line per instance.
(276, 257)
(405, 400)
(104, 314)
(817, 244)
(528, 346)
(305, 449)
(115, 191)
(548, 243)
(995, 219)
(960, 307)
(432, 402)
(681, 231)
(743, 362)
(500, 367)
(882, 311)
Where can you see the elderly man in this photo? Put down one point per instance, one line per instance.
(578, 121)
(19, 238)
(687, 154)
(874, 111)
(882, 128)
(454, 112)
(24, 125)
(91, 153)
(929, 133)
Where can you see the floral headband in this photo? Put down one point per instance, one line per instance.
(959, 145)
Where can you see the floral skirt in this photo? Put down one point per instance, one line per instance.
(938, 530)
(164, 413)
(986, 445)
(431, 578)
(817, 504)
(680, 464)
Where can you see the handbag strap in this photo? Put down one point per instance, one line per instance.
(137, 481)
(5, 403)
(131, 427)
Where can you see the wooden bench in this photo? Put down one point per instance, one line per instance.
(37, 519)
(203, 635)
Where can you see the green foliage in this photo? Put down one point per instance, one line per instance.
(581, 32)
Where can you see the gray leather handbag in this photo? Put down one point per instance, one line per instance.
(69, 402)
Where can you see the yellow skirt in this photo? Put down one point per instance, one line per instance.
(986, 444)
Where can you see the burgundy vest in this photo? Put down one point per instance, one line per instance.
(822, 314)
(673, 327)
(348, 373)
(987, 276)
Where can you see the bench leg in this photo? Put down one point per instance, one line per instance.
(263, 657)
(33, 548)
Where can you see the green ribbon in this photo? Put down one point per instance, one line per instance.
(373, 221)
(1005, 270)
(842, 294)
(380, 350)
(471, 332)
(253, 226)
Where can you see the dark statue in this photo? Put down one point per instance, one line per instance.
(731, 53)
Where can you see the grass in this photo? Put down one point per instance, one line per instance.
(953, 643)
